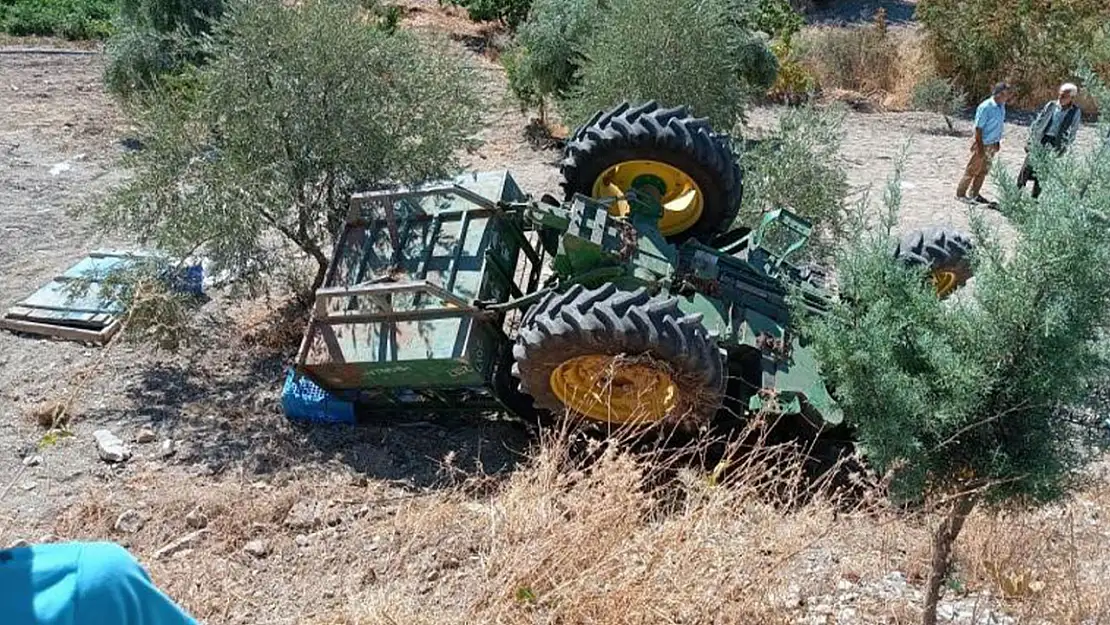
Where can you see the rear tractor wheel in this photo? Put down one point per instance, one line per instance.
(618, 357)
(668, 153)
(946, 252)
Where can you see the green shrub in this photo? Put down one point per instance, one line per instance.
(794, 82)
(138, 58)
(156, 39)
(938, 95)
(296, 109)
(544, 58)
(804, 147)
(692, 56)
(509, 12)
(1034, 44)
(757, 63)
(72, 19)
(192, 17)
(777, 18)
(959, 400)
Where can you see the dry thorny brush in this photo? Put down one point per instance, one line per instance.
(623, 538)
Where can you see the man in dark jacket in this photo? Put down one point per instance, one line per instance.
(1055, 127)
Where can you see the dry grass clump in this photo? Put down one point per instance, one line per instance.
(620, 537)
(1047, 566)
(869, 62)
(49, 414)
(858, 58)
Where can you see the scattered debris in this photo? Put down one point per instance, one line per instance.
(130, 522)
(257, 548)
(185, 542)
(32, 461)
(196, 519)
(303, 515)
(112, 449)
(146, 435)
(90, 317)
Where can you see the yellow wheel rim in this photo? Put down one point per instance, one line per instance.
(682, 200)
(944, 282)
(609, 388)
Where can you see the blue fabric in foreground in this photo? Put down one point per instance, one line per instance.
(81, 583)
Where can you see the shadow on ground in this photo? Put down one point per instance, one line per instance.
(227, 416)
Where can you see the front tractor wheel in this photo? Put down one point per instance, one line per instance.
(618, 357)
(667, 153)
(946, 252)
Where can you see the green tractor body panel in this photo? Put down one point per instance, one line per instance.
(741, 296)
(413, 307)
(395, 318)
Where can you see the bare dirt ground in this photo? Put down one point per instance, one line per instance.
(368, 524)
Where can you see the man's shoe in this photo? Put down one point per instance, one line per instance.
(978, 199)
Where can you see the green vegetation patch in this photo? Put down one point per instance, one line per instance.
(72, 19)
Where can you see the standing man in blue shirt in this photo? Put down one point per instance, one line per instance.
(1055, 127)
(990, 117)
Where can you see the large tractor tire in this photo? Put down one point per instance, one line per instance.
(618, 357)
(693, 168)
(946, 252)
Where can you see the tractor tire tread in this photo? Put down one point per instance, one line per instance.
(938, 248)
(606, 320)
(670, 135)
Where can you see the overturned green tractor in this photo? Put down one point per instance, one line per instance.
(633, 300)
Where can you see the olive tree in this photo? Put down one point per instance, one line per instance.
(805, 146)
(298, 107)
(543, 61)
(962, 401)
(677, 52)
(155, 39)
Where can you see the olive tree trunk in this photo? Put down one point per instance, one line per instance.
(943, 539)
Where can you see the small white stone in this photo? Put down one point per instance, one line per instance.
(31, 461)
(196, 519)
(257, 548)
(168, 448)
(304, 514)
(111, 447)
(130, 522)
(179, 545)
(146, 435)
(946, 612)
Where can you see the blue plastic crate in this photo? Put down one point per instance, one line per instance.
(186, 279)
(304, 400)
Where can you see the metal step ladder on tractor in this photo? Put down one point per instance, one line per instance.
(657, 308)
